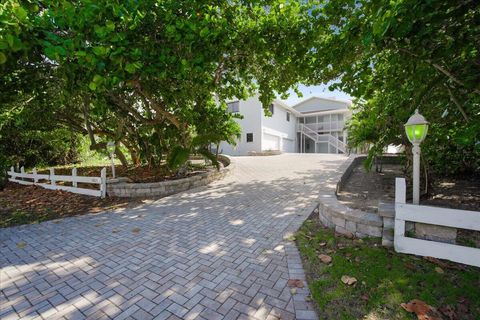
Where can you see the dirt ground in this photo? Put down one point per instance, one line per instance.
(136, 174)
(31, 204)
(365, 188)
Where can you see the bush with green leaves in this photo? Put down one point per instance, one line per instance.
(397, 56)
(150, 74)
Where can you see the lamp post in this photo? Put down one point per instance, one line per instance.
(416, 129)
(111, 151)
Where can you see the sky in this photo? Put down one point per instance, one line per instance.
(308, 91)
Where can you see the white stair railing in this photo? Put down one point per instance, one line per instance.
(315, 136)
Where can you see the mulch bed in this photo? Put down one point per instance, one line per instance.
(136, 174)
(21, 204)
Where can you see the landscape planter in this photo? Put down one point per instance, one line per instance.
(122, 188)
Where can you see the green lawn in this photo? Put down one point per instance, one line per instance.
(385, 279)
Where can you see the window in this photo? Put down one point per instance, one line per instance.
(234, 107)
(309, 120)
(271, 109)
(249, 137)
(288, 116)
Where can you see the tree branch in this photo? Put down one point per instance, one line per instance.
(455, 101)
(440, 69)
(156, 106)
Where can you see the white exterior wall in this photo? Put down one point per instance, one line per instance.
(251, 110)
(277, 127)
(276, 133)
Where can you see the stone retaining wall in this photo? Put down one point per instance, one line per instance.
(345, 220)
(265, 153)
(161, 189)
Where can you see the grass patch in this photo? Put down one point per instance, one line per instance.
(19, 217)
(385, 279)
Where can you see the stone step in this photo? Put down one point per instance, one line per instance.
(388, 223)
(386, 209)
(387, 238)
(387, 243)
(387, 234)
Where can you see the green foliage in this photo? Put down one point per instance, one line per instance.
(384, 278)
(397, 56)
(150, 75)
(19, 217)
(178, 157)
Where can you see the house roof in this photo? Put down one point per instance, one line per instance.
(332, 99)
(286, 106)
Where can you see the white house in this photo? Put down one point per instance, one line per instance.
(315, 125)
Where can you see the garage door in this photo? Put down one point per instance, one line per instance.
(270, 142)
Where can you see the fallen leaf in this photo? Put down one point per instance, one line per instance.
(322, 244)
(21, 245)
(410, 266)
(439, 270)
(293, 291)
(296, 283)
(308, 298)
(462, 306)
(348, 280)
(365, 297)
(357, 259)
(422, 310)
(136, 230)
(115, 231)
(325, 258)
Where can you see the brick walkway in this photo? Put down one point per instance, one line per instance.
(217, 252)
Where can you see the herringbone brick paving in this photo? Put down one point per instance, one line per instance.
(219, 252)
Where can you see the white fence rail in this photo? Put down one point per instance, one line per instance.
(437, 216)
(50, 181)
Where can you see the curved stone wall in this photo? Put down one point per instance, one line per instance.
(169, 187)
(345, 220)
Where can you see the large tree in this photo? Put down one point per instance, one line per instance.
(149, 74)
(397, 56)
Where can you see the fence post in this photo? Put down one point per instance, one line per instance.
(12, 170)
(74, 174)
(400, 198)
(52, 176)
(35, 178)
(103, 183)
(400, 190)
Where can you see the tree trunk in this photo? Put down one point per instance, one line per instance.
(121, 157)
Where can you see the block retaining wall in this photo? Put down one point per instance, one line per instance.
(346, 220)
(169, 187)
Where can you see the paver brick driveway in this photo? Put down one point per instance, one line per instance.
(218, 252)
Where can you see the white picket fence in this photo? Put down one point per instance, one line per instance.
(51, 179)
(462, 219)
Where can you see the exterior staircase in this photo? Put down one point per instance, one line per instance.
(317, 137)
